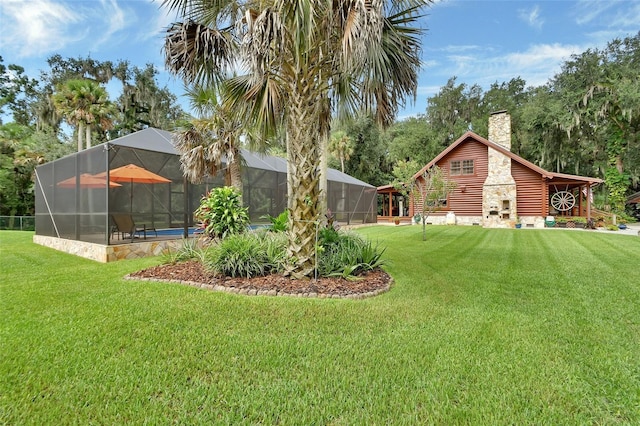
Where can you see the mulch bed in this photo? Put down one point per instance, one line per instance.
(192, 273)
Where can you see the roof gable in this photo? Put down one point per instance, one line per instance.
(467, 136)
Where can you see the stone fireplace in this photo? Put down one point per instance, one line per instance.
(499, 208)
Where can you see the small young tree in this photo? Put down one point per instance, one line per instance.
(403, 172)
(429, 189)
(426, 191)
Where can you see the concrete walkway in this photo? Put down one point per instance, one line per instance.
(632, 229)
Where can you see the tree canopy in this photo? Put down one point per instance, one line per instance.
(584, 120)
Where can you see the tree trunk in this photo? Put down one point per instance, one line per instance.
(88, 136)
(619, 164)
(303, 156)
(323, 185)
(235, 173)
(80, 135)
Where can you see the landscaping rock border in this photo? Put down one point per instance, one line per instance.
(192, 274)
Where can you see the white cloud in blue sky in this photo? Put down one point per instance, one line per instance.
(531, 17)
(38, 27)
(479, 41)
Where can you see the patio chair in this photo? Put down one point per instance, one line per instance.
(125, 227)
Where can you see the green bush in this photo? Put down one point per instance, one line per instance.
(279, 223)
(221, 213)
(328, 236)
(248, 255)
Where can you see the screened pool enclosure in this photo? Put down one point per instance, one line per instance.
(139, 175)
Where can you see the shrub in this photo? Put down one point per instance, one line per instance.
(279, 223)
(248, 255)
(328, 236)
(221, 214)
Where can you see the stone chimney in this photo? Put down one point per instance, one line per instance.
(500, 128)
(499, 189)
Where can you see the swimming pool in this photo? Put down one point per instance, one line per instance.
(180, 231)
(175, 231)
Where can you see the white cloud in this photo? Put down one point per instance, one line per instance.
(429, 63)
(157, 24)
(627, 16)
(37, 27)
(540, 62)
(536, 65)
(541, 54)
(114, 17)
(428, 90)
(613, 14)
(532, 17)
(459, 48)
(588, 10)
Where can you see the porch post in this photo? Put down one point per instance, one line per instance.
(588, 201)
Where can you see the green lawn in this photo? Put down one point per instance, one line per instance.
(480, 327)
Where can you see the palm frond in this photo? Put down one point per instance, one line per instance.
(202, 99)
(261, 101)
(390, 71)
(197, 53)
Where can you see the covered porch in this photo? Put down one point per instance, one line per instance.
(570, 196)
(393, 205)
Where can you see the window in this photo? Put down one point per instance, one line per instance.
(464, 167)
(439, 203)
(456, 168)
(467, 167)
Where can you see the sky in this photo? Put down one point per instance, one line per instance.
(477, 41)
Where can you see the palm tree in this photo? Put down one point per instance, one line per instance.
(85, 104)
(210, 139)
(341, 147)
(303, 60)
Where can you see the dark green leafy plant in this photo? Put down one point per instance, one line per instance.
(328, 236)
(221, 213)
(279, 223)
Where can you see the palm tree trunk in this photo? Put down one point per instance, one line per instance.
(88, 136)
(80, 134)
(303, 157)
(235, 173)
(323, 205)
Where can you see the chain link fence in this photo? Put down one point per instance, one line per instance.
(18, 223)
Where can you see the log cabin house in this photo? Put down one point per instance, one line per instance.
(494, 187)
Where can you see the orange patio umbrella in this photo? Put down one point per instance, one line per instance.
(134, 174)
(87, 180)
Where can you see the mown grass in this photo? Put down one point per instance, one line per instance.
(481, 327)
